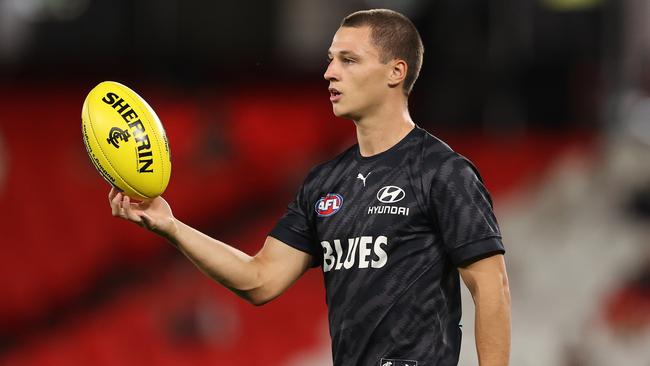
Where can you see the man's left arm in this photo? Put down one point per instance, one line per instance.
(487, 281)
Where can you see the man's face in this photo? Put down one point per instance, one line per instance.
(358, 80)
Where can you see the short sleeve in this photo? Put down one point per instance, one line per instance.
(295, 227)
(462, 208)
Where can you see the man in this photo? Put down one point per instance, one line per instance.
(391, 221)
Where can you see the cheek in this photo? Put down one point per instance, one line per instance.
(370, 88)
(365, 86)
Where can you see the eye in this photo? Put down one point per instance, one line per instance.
(348, 60)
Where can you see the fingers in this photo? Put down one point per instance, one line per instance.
(121, 207)
(116, 204)
(111, 194)
(127, 211)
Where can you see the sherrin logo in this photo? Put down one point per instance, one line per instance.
(130, 116)
(329, 204)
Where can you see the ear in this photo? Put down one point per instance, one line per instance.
(397, 73)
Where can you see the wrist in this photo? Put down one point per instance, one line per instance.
(172, 232)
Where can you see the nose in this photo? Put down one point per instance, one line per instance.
(330, 73)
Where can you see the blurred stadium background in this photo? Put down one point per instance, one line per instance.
(550, 98)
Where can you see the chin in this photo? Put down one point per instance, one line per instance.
(342, 113)
(338, 111)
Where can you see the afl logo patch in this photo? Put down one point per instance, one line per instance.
(329, 205)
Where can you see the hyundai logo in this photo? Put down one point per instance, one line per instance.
(390, 194)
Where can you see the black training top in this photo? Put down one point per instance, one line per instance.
(389, 232)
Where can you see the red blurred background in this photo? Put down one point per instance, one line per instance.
(547, 98)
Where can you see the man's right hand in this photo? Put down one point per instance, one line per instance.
(154, 214)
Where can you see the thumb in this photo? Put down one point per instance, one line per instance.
(155, 226)
(147, 221)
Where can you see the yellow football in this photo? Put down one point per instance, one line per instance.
(125, 140)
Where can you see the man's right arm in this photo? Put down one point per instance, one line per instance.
(258, 279)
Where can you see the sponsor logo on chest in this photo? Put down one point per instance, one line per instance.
(389, 195)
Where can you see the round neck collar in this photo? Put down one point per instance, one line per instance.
(365, 159)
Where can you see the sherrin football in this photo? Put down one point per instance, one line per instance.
(125, 140)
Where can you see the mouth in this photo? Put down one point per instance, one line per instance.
(335, 95)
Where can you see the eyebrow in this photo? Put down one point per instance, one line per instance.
(343, 53)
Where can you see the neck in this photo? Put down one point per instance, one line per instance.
(379, 133)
